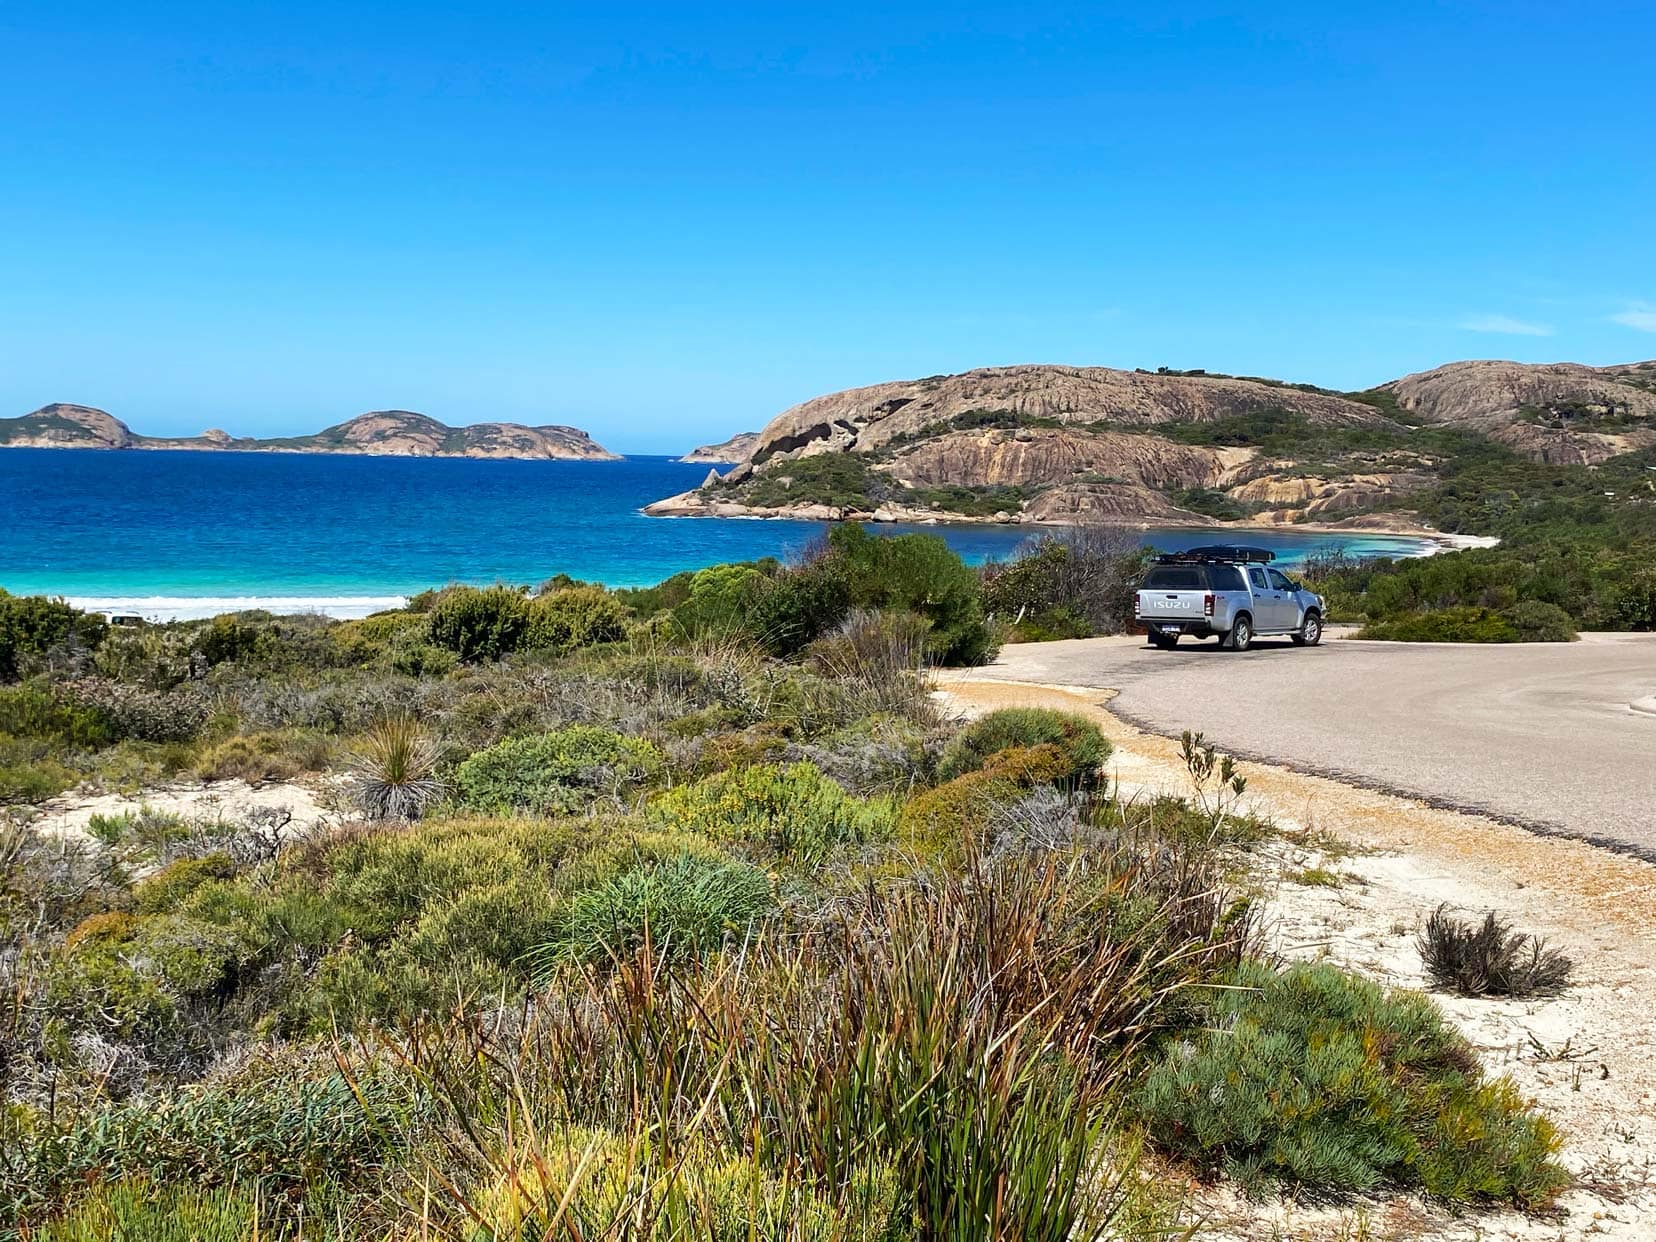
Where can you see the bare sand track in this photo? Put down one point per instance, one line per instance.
(1539, 734)
(1587, 1057)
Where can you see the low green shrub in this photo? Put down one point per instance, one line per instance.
(565, 620)
(556, 772)
(579, 1180)
(716, 600)
(32, 625)
(1445, 625)
(383, 880)
(166, 889)
(1082, 745)
(479, 625)
(273, 755)
(686, 904)
(284, 1120)
(138, 978)
(145, 830)
(34, 710)
(794, 811)
(26, 781)
(1328, 1082)
(1540, 622)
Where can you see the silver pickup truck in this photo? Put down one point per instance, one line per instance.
(1228, 592)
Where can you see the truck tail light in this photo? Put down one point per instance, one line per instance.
(1138, 606)
(1207, 604)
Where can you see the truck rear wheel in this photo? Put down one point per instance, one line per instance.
(1240, 637)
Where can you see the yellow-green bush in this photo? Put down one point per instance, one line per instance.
(137, 1211)
(555, 772)
(1078, 739)
(169, 886)
(132, 976)
(577, 1180)
(944, 819)
(28, 781)
(276, 755)
(794, 811)
(479, 625)
(565, 620)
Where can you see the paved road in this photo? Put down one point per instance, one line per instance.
(1544, 734)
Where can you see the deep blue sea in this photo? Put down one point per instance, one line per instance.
(190, 534)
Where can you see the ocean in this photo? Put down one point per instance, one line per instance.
(182, 534)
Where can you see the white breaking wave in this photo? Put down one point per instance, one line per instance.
(194, 607)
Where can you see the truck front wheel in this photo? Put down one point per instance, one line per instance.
(1310, 631)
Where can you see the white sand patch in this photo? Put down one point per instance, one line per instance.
(226, 801)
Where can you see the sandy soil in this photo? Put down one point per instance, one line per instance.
(1587, 1058)
(212, 801)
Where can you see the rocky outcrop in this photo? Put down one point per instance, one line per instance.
(1564, 413)
(725, 453)
(1124, 503)
(1488, 394)
(61, 425)
(1044, 456)
(1070, 442)
(1313, 496)
(868, 419)
(391, 433)
(1558, 446)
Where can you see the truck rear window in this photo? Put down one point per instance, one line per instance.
(1175, 578)
(1225, 577)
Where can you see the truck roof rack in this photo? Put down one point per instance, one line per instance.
(1217, 552)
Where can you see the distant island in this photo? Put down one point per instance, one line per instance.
(1063, 444)
(726, 452)
(380, 433)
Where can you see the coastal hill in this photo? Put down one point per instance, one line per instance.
(1056, 443)
(726, 452)
(387, 433)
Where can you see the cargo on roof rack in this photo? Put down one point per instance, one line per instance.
(1218, 552)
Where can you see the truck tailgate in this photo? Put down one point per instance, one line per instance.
(1172, 605)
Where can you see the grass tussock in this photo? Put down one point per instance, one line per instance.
(1489, 958)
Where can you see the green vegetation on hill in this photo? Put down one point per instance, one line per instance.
(33, 424)
(672, 913)
(1577, 551)
(846, 481)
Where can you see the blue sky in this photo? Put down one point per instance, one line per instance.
(666, 223)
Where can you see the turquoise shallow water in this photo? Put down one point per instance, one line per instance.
(184, 533)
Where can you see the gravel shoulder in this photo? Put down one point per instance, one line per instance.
(1588, 1057)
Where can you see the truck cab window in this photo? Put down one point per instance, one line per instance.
(1257, 577)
